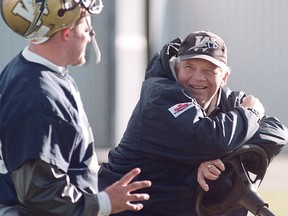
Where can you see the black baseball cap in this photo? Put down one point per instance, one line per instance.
(204, 45)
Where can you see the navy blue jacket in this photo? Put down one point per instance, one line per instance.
(169, 135)
(42, 118)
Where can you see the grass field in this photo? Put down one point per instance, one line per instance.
(274, 188)
(277, 200)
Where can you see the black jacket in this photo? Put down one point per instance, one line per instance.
(169, 135)
(45, 143)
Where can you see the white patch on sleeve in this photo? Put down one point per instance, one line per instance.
(180, 108)
(92, 163)
(3, 169)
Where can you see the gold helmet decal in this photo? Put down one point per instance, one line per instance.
(32, 15)
(37, 20)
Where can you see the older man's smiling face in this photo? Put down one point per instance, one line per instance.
(202, 78)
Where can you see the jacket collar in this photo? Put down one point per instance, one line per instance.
(214, 105)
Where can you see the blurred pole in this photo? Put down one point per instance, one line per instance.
(156, 23)
(131, 59)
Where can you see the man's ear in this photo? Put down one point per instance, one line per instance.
(65, 33)
(225, 78)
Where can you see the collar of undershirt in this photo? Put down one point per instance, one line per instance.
(214, 103)
(33, 57)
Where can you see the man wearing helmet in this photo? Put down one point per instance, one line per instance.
(47, 161)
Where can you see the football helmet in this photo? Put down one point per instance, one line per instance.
(37, 20)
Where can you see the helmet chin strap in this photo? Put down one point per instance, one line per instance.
(94, 42)
(95, 46)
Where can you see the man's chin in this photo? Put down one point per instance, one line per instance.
(80, 63)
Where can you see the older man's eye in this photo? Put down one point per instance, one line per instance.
(190, 68)
(210, 72)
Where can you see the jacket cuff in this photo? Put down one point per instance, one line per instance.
(104, 204)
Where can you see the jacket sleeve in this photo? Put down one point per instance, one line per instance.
(271, 135)
(45, 190)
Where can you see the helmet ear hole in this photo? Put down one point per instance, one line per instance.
(61, 12)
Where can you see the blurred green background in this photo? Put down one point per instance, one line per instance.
(274, 188)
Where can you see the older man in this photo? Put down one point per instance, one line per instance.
(187, 116)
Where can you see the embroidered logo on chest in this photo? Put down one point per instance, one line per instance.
(180, 108)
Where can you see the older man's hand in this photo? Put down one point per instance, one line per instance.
(209, 170)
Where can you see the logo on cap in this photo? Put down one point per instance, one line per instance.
(204, 43)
